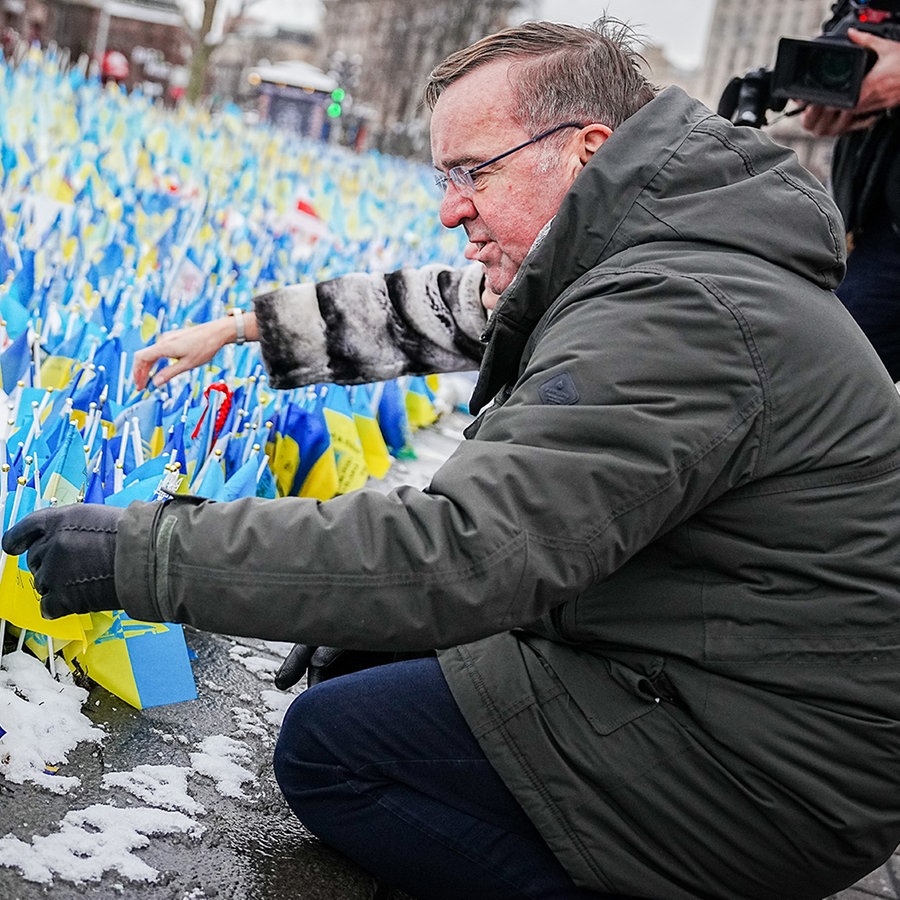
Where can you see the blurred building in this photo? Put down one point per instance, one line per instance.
(379, 52)
(663, 72)
(149, 35)
(247, 43)
(295, 96)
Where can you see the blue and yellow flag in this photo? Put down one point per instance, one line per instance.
(56, 371)
(149, 414)
(393, 421)
(20, 605)
(375, 450)
(420, 409)
(352, 470)
(212, 479)
(301, 455)
(15, 362)
(244, 480)
(144, 663)
(65, 474)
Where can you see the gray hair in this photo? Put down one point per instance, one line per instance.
(561, 73)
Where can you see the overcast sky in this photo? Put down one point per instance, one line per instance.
(678, 26)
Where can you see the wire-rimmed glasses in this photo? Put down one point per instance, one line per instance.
(462, 178)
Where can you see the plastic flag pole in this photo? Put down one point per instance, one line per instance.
(137, 441)
(10, 419)
(36, 360)
(262, 465)
(16, 398)
(250, 445)
(45, 402)
(120, 387)
(119, 471)
(38, 503)
(4, 493)
(51, 655)
(252, 427)
(37, 413)
(33, 429)
(89, 421)
(95, 424)
(21, 481)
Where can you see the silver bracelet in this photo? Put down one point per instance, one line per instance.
(238, 316)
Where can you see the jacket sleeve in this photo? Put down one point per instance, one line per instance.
(602, 445)
(371, 327)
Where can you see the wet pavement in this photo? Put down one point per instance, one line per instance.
(884, 883)
(251, 848)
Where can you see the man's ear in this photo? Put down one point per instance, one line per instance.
(592, 139)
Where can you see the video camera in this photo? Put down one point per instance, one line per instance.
(826, 70)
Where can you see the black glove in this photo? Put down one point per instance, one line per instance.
(305, 658)
(71, 553)
(322, 663)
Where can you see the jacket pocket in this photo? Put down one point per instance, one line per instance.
(605, 702)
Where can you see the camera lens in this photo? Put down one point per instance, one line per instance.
(830, 69)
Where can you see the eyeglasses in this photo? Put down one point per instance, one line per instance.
(462, 178)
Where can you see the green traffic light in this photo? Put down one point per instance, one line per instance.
(338, 94)
(333, 110)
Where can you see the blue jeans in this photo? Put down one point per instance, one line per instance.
(871, 290)
(381, 765)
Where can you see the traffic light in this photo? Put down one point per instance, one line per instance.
(335, 108)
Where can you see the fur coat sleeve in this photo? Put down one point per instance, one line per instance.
(372, 327)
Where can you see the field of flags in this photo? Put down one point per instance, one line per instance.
(120, 219)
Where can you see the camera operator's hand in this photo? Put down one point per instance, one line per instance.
(71, 553)
(880, 91)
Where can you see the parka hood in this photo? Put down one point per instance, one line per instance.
(678, 173)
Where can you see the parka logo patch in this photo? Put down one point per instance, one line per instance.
(559, 390)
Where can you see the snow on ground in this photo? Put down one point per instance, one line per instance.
(44, 723)
(93, 841)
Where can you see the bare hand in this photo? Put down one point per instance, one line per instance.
(186, 347)
(880, 90)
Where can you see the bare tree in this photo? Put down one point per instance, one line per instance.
(205, 40)
(399, 42)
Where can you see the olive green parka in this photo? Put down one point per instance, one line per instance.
(664, 570)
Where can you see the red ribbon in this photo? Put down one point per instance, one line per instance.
(221, 415)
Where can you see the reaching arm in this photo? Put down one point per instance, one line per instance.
(354, 329)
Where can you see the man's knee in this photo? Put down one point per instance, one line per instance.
(311, 769)
(301, 760)
(339, 728)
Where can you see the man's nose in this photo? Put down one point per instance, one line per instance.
(455, 208)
